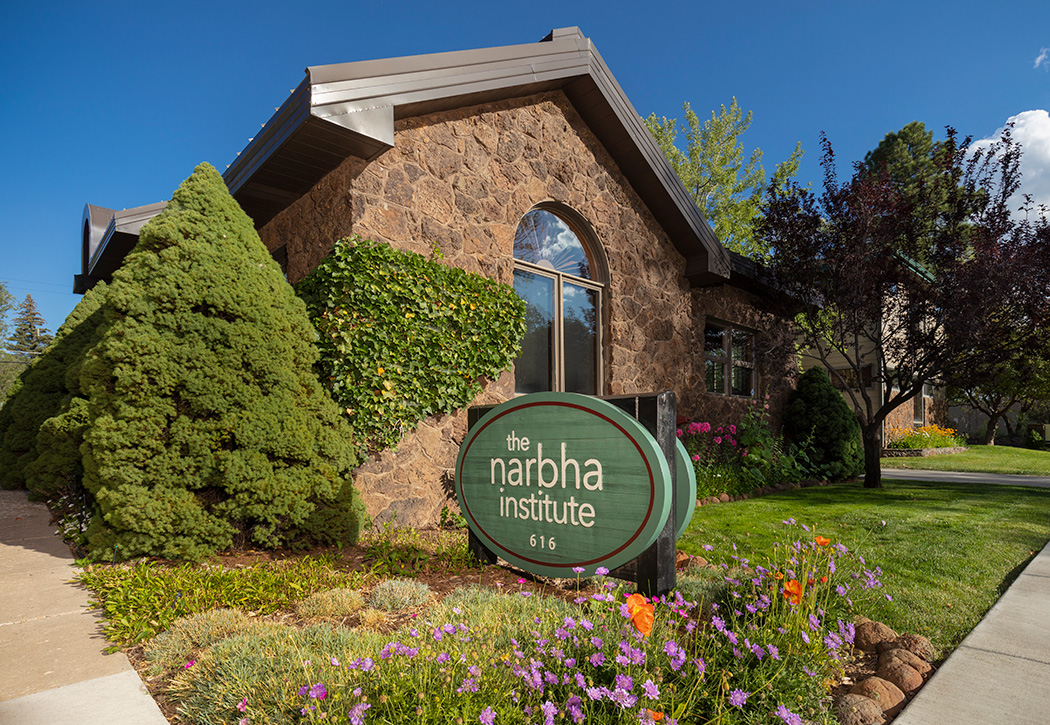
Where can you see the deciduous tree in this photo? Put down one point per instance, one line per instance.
(885, 285)
(713, 169)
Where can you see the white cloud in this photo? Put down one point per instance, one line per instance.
(1044, 57)
(1031, 130)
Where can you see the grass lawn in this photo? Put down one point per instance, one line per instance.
(947, 551)
(982, 459)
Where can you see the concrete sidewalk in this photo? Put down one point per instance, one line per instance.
(1001, 671)
(53, 670)
(1003, 479)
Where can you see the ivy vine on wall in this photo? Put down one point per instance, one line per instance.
(403, 337)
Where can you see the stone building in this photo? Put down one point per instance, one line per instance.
(529, 165)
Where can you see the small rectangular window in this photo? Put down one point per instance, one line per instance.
(729, 365)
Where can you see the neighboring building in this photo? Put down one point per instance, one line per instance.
(930, 408)
(529, 165)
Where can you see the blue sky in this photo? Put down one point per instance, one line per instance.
(114, 103)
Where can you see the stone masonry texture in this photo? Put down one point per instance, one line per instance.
(460, 181)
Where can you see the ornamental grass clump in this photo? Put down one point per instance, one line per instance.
(767, 651)
(393, 595)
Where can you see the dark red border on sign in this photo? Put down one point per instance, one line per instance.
(627, 435)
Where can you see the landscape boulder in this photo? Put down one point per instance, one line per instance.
(887, 695)
(858, 710)
(869, 634)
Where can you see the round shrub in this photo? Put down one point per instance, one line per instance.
(394, 595)
(817, 413)
(172, 649)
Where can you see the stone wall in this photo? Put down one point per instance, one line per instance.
(462, 180)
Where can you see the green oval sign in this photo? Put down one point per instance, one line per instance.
(553, 481)
(684, 489)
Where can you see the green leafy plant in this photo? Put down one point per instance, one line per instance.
(403, 338)
(140, 600)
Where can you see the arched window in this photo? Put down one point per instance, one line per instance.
(559, 272)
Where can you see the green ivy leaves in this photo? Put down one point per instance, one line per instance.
(403, 338)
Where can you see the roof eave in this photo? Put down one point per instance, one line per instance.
(349, 109)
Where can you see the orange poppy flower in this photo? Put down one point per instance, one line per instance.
(656, 716)
(821, 541)
(641, 612)
(793, 591)
(778, 575)
(823, 580)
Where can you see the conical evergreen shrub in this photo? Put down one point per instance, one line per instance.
(42, 392)
(816, 412)
(207, 426)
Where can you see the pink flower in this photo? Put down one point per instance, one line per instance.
(189, 664)
(696, 456)
(243, 705)
(731, 441)
(718, 440)
(678, 432)
(732, 429)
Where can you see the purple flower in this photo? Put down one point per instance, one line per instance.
(738, 698)
(773, 651)
(318, 691)
(651, 690)
(623, 698)
(787, 716)
(623, 682)
(357, 713)
(601, 571)
(597, 659)
(758, 651)
(469, 685)
(577, 569)
(487, 716)
(549, 711)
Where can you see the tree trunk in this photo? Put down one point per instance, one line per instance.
(872, 452)
(990, 429)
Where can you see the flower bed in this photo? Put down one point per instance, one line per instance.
(920, 452)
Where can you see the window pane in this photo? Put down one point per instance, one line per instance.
(742, 380)
(580, 330)
(715, 374)
(714, 340)
(533, 370)
(545, 239)
(741, 346)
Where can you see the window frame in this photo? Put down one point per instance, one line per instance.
(599, 282)
(727, 361)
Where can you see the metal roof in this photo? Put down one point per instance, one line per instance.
(107, 237)
(349, 109)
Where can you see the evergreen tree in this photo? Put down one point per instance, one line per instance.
(206, 425)
(29, 337)
(817, 414)
(10, 366)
